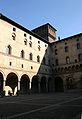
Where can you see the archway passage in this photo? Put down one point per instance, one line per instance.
(50, 85)
(58, 84)
(1, 82)
(35, 81)
(24, 84)
(12, 81)
(43, 84)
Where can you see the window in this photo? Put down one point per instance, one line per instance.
(31, 56)
(67, 60)
(38, 42)
(9, 49)
(80, 57)
(22, 54)
(45, 45)
(10, 63)
(66, 48)
(13, 36)
(31, 67)
(25, 41)
(22, 66)
(38, 58)
(30, 44)
(24, 34)
(14, 29)
(30, 38)
(75, 60)
(55, 51)
(78, 46)
(39, 48)
(56, 61)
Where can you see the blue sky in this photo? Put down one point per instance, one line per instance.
(64, 15)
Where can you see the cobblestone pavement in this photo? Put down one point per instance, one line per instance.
(42, 106)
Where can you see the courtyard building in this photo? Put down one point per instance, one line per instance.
(35, 61)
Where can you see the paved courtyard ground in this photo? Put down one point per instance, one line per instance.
(42, 106)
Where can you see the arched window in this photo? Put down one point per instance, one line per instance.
(66, 48)
(13, 36)
(30, 44)
(67, 60)
(31, 56)
(38, 58)
(80, 57)
(9, 49)
(22, 54)
(25, 41)
(39, 48)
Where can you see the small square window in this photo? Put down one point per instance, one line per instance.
(31, 67)
(38, 42)
(10, 63)
(24, 34)
(14, 29)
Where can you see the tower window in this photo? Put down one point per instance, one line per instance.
(55, 51)
(67, 60)
(30, 38)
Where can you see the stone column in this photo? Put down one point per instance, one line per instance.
(4, 83)
(39, 89)
(18, 85)
(46, 85)
(30, 85)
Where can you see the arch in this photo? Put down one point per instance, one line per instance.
(43, 84)
(1, 82)
(59, 84)
(34, 84)
(24, 84)
(12, 81)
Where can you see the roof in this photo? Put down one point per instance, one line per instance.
(47, 24)
(70, 37)
(21, 27)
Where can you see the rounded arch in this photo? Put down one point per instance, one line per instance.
(35, 81)
(24, 83)
(59, 84)
(12, 81)
(43, 84)
(1, 82)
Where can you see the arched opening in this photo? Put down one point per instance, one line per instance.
(24, 84)
(58, 84)
(12, 81)
(50, 85)
(1, 82)
(34, 85)
(43, 84)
